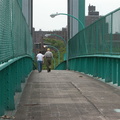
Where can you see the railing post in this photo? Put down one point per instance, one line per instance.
(10, 94)
(1, 93)
(118, 72)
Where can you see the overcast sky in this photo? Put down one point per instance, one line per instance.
(43, 8)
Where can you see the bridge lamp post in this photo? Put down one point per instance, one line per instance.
(56, 50)
(56, 14)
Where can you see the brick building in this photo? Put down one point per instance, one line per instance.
(38, 37)
(93, 15)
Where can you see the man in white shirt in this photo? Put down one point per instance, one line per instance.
(40, 61)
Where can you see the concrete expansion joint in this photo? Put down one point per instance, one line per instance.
(88, 100)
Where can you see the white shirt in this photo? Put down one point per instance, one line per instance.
(40, 57)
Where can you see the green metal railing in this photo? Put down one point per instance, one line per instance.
(105, 67)
(101, 37)
(61, 66)
(20, 2)
(15, 38)
(12, 74)
(16, 61)
(95, 50)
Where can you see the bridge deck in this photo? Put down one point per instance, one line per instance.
(67, 95)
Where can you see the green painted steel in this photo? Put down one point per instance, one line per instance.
(15, 38)
(101, 37)
(81, 13)
(2, 109)
(12, 74)
(20, 3)
(95, 50)
(16, 47)
(106, 68)
(61, 66)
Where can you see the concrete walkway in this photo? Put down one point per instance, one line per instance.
(67, 95)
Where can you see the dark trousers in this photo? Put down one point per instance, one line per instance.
(48, 64)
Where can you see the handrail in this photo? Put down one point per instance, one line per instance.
(12, 74)
(108, 56)
(5, 64)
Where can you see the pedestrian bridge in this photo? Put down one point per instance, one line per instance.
(66, 95)
(94, 51)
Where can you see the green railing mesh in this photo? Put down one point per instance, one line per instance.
(20, 2)
(16, 45)
(15, 37)
(101, 37)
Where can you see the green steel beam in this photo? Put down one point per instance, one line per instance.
(81, 13)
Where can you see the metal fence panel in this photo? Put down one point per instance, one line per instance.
(15, 37)
(101, 37)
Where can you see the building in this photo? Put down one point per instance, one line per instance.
(38, 38)
(77, 9)
(73, 25)
(93, 15)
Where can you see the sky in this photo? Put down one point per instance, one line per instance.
(42, 9)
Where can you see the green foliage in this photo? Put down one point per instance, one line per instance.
(59, 44)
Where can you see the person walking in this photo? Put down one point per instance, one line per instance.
(39, 61)
(48, 56)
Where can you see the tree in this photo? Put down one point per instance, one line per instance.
(59, 44)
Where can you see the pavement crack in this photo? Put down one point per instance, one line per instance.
(89, 100)
(31, 104)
